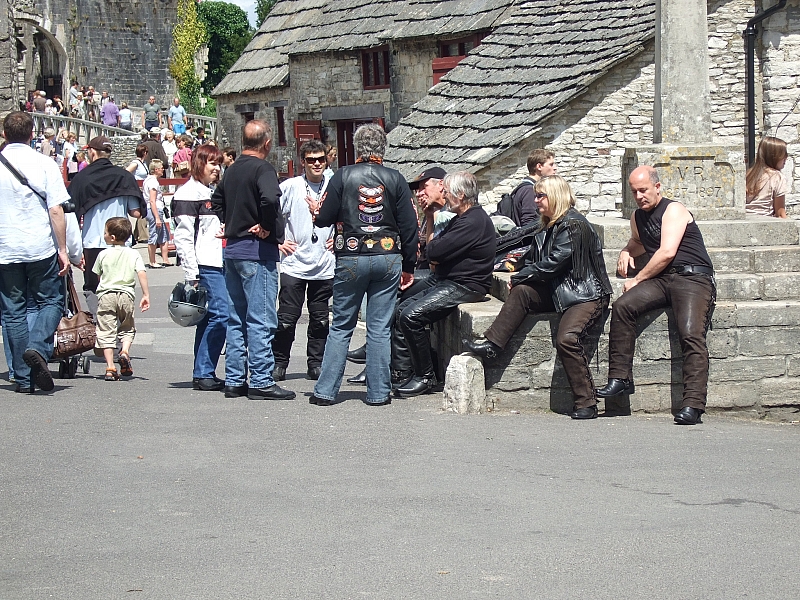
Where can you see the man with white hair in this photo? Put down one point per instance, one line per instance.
(462, 258)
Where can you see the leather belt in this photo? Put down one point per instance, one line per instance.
(690, 270)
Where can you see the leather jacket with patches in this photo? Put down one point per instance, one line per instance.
(569, 257)
(372, 209)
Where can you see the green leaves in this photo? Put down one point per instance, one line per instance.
(228, 34)
(188, 37)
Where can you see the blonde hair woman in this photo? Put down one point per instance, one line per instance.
(564, 272)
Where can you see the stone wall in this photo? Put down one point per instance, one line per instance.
(8, 59)
(754, 350)
(230, 120)
(412, 75)
(122, 46)
(589, 135)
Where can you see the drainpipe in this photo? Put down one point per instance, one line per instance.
(750, 35)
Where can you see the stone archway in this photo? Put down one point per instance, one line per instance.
(42, 61)
(51, 63)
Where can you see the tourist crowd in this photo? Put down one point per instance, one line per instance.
(406, 254)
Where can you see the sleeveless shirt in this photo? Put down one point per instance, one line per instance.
(692, 249)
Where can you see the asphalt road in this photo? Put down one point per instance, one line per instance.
(146, 489)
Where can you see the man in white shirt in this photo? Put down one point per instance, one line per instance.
(307, 265)
(30, 265)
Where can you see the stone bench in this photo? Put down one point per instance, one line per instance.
(754, 352)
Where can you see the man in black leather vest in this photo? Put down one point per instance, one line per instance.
(375, 242)
(680, 275)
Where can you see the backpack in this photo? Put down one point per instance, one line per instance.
(505, 208)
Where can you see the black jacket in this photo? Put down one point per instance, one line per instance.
(373, 211)
(569, 257)
(249, 194)
(99, 182)
(464, 251)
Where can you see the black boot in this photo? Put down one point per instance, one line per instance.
(688, 416)
(360, 379)
(358, 356)
(401, 378)
(587, 412)
(616, 387)
(485, 349)
(417, 386)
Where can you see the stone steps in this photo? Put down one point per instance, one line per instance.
(753, 259)
(751, 231)
(730, 286)
(754, 349)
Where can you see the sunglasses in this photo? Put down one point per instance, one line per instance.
(315, 159)
(541, 195)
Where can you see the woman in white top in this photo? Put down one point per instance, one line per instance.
(125, 117)
(200, 250)
(766, 186)
(170, 148)
(158, 232)
(69, 156)
(137, 166)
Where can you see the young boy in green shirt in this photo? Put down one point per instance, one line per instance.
(118, 266)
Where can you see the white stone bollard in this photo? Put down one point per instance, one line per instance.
(464, 385)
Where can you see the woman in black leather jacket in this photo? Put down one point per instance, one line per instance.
(564, 272)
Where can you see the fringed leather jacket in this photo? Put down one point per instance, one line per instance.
(569, 257)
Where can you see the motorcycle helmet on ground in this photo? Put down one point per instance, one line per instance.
(188, 305)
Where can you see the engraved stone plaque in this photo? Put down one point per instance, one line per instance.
(707, 179)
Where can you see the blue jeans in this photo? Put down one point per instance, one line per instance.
(377, 276)
(252, 320)
(209, 337)
(40, 280)
(32, 312)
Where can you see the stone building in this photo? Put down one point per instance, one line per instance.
(319, 70)
(122, 46)
(576, 77)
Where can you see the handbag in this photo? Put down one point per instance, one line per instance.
(76, 333)
(183, 167)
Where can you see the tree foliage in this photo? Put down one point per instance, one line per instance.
(228, 33)
(188, 36)
(262, 9)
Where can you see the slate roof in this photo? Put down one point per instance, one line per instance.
(264, 63)
(307, 26)
(542, 56)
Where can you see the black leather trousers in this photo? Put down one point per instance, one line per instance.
(692, 299)
(292, 293)
(425, 308)
(401, 357)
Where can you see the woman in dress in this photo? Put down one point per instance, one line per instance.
(200, 251)
(170, 148)
(564, 272)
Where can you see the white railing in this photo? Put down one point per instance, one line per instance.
(84, 130)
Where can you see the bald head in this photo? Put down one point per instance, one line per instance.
(646, 187)
(256, 137)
